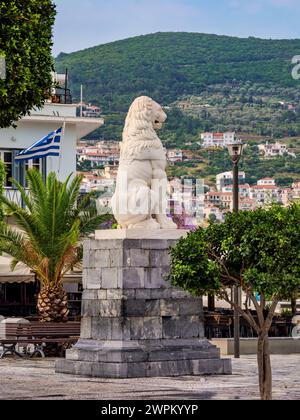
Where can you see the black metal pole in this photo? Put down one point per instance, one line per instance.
(235, 186)
(236, 291)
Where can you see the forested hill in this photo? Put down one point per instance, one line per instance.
(167, 65)
(252, 75)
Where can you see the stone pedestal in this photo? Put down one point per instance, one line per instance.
(134, 324)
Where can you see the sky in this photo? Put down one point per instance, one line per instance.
(85, 23)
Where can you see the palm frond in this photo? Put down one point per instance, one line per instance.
(90, 224)
(52, 225)
(23, 193)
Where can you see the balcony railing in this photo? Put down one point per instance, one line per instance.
(14, 195)
(62, 96)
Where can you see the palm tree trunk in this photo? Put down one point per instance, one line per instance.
(264, 366)
(53, 304)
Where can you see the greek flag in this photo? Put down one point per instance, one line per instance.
(47, 146)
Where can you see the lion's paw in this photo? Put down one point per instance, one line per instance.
(165, 222)
(149, 224)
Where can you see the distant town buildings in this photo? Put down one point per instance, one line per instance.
(251, 197)
(175, 155)
(183, 194)
(217, 139)
(226, 178)
(273, 150)
(89, 110)
(296, 191)
(102, 153)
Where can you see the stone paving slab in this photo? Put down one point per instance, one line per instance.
(36, 379)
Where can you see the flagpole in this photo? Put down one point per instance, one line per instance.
(61, 143)
(81, 100)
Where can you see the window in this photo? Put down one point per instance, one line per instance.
(15, 169)
(32, 164)
(7, 158)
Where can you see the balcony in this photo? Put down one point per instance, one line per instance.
(52, 109)
(56, 114)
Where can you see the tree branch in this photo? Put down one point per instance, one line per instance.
(259, 311)
(269, 319)
(246, 315)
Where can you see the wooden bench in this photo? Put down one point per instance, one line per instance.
(13, 333)
(39, 335)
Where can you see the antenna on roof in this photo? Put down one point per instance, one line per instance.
(66, 85)
(81, 99)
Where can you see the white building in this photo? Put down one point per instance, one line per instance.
(226, 178)
(91, 111)
(18, 289)
(217, 139)
(244, 189)
(35, 127)
(273, 150)
(175, 155)
(266, 181)
(265, 194)
(93, 182)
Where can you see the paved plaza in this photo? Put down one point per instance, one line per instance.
(36, 379)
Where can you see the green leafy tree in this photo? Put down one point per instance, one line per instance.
(48, 239)
(25, 43)
(258, 251)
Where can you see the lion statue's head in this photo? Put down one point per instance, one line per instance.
(143, 118)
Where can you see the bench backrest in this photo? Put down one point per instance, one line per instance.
(49, 329)
(39, 329)
(14, 330)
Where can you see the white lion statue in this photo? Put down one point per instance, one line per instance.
(140, 200)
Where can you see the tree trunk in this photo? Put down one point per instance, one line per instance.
(211, 304)
(264, 366)
(53, 304)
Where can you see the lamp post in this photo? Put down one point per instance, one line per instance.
(235, 151)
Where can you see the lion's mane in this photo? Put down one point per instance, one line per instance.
(139, 133)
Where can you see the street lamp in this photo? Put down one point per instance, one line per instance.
(235, 151)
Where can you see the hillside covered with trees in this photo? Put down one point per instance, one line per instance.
(206, 83)
(227, 73)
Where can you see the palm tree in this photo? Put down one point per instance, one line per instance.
(48, 237)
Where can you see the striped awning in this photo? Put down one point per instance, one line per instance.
(21, 274)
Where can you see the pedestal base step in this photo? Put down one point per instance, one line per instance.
(145, 369)
(136, 359)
